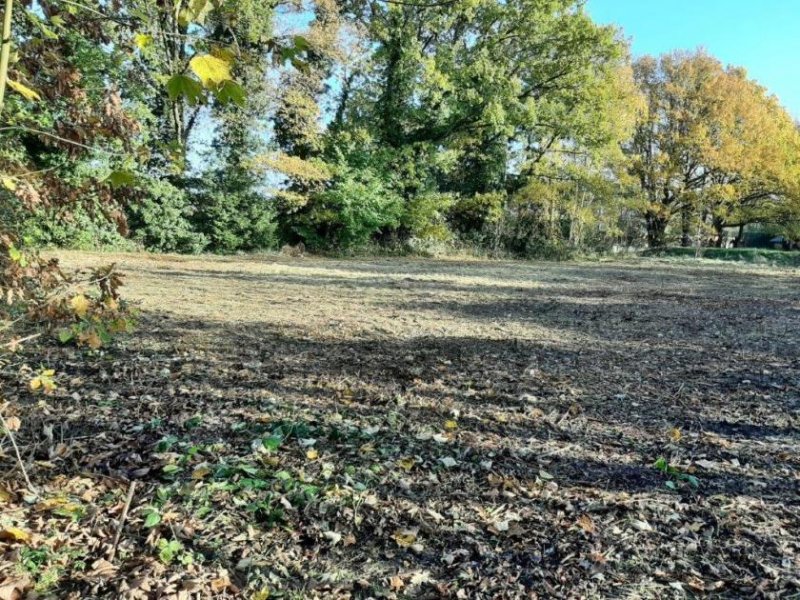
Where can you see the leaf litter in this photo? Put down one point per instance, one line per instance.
(312, 429)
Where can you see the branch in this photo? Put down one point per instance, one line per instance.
(10, 435)
(60, 139)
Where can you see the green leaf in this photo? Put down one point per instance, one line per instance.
(183, 86)
(301, 44)
(272, 443)
(24, 90)
(142, 40)
(231, 92)
(9, 183)
(121, 178)
(65, 335)
(211, 70)
(196, 12)
(283, 475)
(14, 253)
(152, 519)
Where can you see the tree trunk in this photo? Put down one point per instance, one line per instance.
(719, 228)
(686, 224)
(5, 51)
(739, 237)
(656, 230)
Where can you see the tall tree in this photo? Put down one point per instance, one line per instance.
(710, 145)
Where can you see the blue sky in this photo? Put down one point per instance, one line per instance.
(761, 35)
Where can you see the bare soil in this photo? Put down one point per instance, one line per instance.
(315, 428)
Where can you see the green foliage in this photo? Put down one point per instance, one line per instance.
(161, 219)
(86, 227)
(471, 213)
(358, 205)
(675, 474)
(235, 219)
(424, 216)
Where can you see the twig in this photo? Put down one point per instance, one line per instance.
(122, 518)
(10, 435)
(17, 342)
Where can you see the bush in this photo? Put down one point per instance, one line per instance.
(84, 227)
(472, 214)
(233, 221)
(161, 220)
(424, 216)
(357, 207)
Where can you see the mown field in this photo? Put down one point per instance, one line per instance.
(314, 428)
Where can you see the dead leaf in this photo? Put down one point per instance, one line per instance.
(14, 534)
(14, 589)
(102, 569)
(407, 463)
(396, 583)
(200, 473)
(585, 522)
(405, 537)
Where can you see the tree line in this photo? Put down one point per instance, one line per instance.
(516, 126)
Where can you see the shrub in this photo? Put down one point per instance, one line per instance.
(424, 216)
(161, 220)
(357, 206)
(233, 219)
(84, 227)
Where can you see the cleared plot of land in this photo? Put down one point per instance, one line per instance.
(415, 428)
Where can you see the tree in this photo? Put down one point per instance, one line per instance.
(710, 145)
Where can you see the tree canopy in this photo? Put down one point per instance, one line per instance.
(518, 126)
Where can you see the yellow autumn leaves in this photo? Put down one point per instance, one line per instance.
(44, 380)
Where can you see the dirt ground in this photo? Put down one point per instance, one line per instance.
(315, 428)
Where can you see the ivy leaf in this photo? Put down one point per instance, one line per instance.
(211, 70)
(24, 91)
(183, 86)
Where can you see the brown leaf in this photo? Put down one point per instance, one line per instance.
(14, 589)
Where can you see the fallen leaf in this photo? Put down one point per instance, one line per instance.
(450, 425)
(585, 522)
(14, 589)
(80, 305)
(201, 472)
(405, 537)
(332, 536)
(312, 454)
(396, 583)
(406, 463)
(102, 569)
(14, 534)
